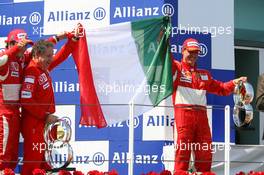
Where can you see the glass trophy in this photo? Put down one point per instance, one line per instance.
(59, 154)
(243, 111)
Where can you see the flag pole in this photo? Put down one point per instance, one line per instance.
(131, 138)
(131, 129)
(227, 140)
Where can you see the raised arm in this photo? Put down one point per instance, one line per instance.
(62, 54)
(222, 88)
(67, 49)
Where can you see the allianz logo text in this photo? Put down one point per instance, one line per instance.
(160, 120)
(97, 159)
(133, 11)
(121, 124)
(122, 158)
(33, 18)
(67, 15)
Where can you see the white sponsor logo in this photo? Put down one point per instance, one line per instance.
(34, 18)
(21, 35)
(42, 79)
(14, 66)
(14, 74)
(29, 80)
(203, 49)
(46, 85)
(123, 12)
(65, 86)
(192, 44)
(12, 20)
(167, 9)
(204, 77)
(26, 94)
(178, 49)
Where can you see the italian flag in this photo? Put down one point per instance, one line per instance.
(122, 64)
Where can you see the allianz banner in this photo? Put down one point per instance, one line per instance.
(106, 149)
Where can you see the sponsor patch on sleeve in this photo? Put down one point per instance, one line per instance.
(42, 79)
(14, 66)
(204, 77)
(29, 79)
(14, 74)
(26, 94)
(46, 85)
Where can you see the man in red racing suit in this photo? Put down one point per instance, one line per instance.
(189, 99)
(37, 100)
(12, 62)
(11, 69)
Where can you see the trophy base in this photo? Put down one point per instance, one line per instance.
(55, 170)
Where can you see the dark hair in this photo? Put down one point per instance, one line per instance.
(8, 43)
(40, 47)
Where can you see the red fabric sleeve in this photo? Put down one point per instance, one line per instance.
(176, 68)
(51, 39)
(29, 95)
(62, 54)
(12, 52)
(218, 87)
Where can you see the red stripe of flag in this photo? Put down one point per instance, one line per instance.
(91, 112)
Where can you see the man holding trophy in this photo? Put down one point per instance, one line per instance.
(37, 99)
(189, 100)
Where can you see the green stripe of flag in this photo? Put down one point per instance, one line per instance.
(151, 38)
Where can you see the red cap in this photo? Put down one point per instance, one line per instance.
(16, 35)
(191, 45)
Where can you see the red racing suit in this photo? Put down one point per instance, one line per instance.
(37, 100)
(11, 76)
(11, 69)
(189, 99)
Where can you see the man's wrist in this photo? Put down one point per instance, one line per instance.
(75, 38)
(57, 39)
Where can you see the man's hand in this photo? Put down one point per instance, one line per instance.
(24, 42)
(51, 119)
(62, 36)
(78, 31)
(243, 79)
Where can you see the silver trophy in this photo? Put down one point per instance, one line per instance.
(59, 154)
(243, 111)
